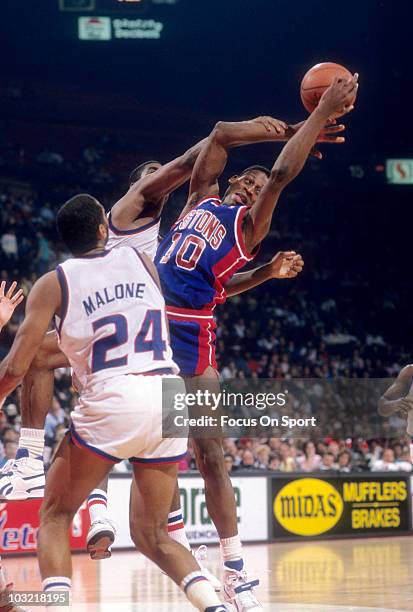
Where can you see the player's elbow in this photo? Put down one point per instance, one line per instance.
(282, 174)
(220, 133)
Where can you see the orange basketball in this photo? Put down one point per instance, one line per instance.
(317, 80)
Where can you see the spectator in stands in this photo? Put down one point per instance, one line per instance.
(274, 462)
(10, 450)
(55, 417)
(344, 462)
(262, 453)
(9, 434)
(229, 463)
(309, 461)
(387, 463)
(248, 460)
(287, 463)
(328, 462)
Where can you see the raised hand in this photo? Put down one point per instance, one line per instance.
(8, 301)
(339, 98)
(286, 264)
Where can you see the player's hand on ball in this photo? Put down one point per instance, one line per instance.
(338, 99)
(8, 301)
(272, 125)
(286, 264)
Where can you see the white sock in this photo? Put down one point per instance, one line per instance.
(97, 504)
(57, 583)
(33, 441)
(199, 591)
(231, 551)
(176, 528)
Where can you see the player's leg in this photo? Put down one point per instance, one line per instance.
(73, 474)
(176, 531)
(221, 505)
(151, 497)
(102, 532)
(23, 478)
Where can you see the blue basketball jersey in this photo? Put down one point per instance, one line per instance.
(200, 253)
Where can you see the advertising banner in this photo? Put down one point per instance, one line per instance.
(19, 522)
(316, 506)
(250, 495)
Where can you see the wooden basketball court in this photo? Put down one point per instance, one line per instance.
(364, 575)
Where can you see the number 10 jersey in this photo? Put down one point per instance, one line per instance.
(200, 253)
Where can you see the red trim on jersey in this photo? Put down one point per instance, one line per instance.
(174, 312)
(237, 257)
(206, 350)
(240, 237)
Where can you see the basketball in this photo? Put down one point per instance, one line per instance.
(317, 80)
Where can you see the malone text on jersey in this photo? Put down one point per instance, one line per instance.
(107, 295)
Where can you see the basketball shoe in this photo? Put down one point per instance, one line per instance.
(238, 591)
(100, 538)
(200, 555)
(22, 478)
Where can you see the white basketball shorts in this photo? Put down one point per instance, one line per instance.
(121, 418)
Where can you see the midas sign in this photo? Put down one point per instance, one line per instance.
(308, 507)
(340, 505)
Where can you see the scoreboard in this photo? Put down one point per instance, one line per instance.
(110, 6)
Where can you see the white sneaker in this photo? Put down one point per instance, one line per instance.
(200, 555)
(23, 478)
(100, 538)
(238, 591)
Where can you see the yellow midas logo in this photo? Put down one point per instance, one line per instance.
(308, 507)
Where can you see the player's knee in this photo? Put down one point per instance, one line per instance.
(148, 538)
(210, 457)
(55, 509)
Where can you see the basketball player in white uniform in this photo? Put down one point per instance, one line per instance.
(399, 398)
(111, 321)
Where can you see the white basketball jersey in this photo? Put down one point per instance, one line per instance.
(144, 238)
(113, 317)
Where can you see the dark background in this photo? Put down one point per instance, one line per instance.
(227, 59)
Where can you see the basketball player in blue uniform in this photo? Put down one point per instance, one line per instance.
(213, 238)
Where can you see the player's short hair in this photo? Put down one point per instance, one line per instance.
(78, 223)
(258, 168)
(136, 174)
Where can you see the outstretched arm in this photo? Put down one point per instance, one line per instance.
(337, 98)
(156, 186)
(213, 157)
(43, 302)
(285, 264)
(8, 302)
(394, 399)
